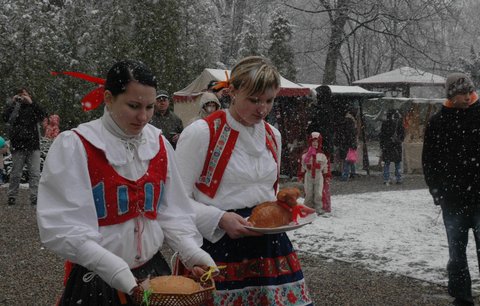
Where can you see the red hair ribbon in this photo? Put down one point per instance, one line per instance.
(222, 84)
(95, 97)
(295, 210)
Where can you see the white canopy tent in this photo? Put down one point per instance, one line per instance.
(406, 82)
(403, 75)
(186, 99)
(340, 89)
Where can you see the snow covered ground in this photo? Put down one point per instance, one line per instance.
(397, 231)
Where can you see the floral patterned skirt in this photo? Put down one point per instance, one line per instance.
(261, 270)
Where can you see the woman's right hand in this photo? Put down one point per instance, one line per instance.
(135, 289)
(234, 225)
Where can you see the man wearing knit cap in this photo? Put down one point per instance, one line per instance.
(451, 165)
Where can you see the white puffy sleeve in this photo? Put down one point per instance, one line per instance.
(190, 154)
(177, 219)
(66, 215)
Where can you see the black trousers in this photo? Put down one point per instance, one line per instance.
(458, 220)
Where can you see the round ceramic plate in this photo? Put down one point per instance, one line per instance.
(277, 230)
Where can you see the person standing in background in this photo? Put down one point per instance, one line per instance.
(451, 168)
(51, 126)
(166, 120)
(4, 147)
(347, 140)
(392, 135)
(208, 104)
(23, 116)
(320, 121)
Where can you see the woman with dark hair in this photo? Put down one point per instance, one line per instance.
(110, 195)
(392, 134)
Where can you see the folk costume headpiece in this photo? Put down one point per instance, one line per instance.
(216, 86)
(95, 97)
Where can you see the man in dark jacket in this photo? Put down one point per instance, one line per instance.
(22, 117)
(166, 120)
(451, 164)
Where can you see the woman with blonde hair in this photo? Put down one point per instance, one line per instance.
(230, 163)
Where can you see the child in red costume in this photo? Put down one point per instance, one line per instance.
(314, 169)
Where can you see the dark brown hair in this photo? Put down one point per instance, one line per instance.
(126, 71)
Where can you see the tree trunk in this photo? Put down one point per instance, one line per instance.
(336, 39)
(233, 22)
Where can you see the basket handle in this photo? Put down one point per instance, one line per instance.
(178, 268)
(175, 263)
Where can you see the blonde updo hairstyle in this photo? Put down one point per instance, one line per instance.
(254, 74)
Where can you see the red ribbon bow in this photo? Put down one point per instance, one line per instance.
(95, 97)
(295, 210)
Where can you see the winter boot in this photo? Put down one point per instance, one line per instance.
(319, 210)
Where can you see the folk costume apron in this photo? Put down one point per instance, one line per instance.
(261, 270)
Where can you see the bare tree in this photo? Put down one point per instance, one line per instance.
(408, 27)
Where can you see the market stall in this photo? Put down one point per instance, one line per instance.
(332, 102)
(418, 95)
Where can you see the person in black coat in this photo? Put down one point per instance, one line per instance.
(22, 117)
(345, 140)
(392, 135)
(319, 120)
(451, 165)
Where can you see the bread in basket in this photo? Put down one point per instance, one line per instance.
(174, 290)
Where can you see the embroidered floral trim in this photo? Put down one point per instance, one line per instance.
(259, 267)
(272, 142)
(216, 154)
(291, 294)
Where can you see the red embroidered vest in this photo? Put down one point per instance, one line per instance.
(118, 199)
(220, 149)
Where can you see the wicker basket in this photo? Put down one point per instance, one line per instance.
(199, 298)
